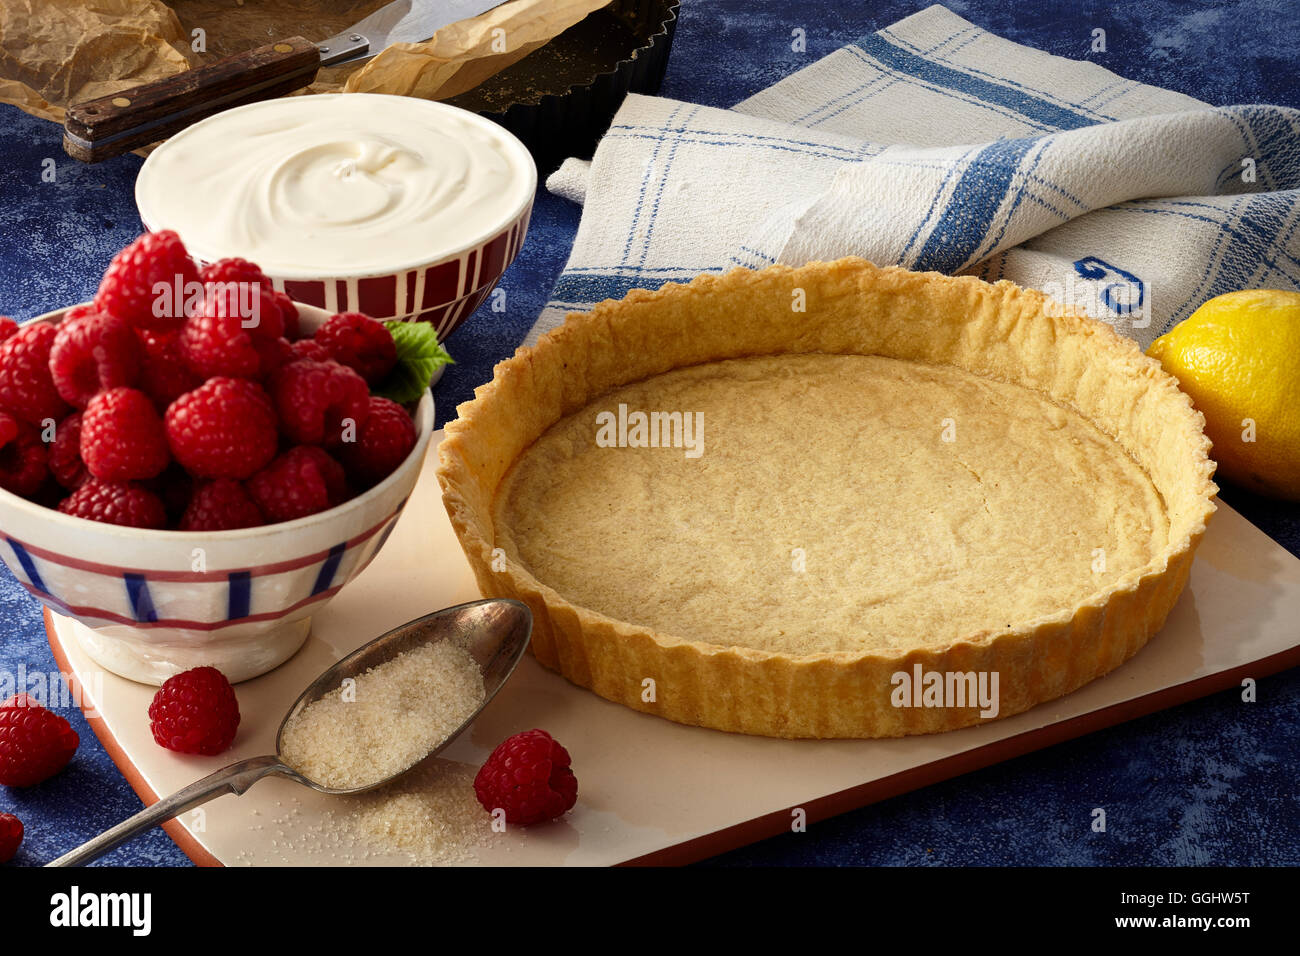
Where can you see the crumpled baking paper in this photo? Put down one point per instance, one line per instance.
(57, 52)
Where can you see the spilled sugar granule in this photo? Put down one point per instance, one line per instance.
(431, 815)
(391, 718)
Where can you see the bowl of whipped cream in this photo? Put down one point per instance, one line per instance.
(353, 202)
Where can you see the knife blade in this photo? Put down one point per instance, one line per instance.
(120, 122)
(402, 21)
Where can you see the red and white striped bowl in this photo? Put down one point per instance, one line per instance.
(150, 604)
(443, 289)
(445, 292)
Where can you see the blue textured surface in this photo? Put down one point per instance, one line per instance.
(1213, 781)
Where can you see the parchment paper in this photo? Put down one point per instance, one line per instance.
(57, 52)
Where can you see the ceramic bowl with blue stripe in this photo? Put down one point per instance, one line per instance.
(150, 604)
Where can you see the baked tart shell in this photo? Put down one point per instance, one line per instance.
(1000, 331)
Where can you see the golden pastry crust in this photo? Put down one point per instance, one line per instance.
(827, 503)
(999, 332)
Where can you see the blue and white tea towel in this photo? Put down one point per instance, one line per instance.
(934, 144)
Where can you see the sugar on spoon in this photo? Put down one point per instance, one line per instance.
(494, 632)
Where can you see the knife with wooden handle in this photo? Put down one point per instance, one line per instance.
(120, 122)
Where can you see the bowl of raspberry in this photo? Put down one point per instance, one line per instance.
(192, 464)
(393, 206)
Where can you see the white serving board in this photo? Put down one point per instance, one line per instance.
(651, 790)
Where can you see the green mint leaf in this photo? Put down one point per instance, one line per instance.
(418, 356)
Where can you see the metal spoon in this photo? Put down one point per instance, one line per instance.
(494, 632)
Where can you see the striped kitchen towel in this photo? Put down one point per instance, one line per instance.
(934, 144)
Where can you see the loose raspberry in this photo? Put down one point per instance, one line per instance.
(27, 389)
(35, 743)
(360, 343)
(65, 454)
(127, 290)
(23, 457)
(93, 351)
(8, 326)
(114, 502)
(528, 777)
(300, 482)
(308, 349)
(289, 313)
(165, 377)
(315, 399)
(225, 428)
(221, 505)
(11, 836)
(122, 437)
(195, 712)
(382, 443)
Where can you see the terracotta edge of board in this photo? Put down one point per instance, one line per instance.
(182, 837)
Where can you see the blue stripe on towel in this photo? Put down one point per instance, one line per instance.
(975, 201)
(329, 569)
(593, 288)
(1028, 106)
(1276, 138)
(29, 566)
(241, 593)
(137, 593)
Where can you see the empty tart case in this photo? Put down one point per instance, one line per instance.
(561, 98)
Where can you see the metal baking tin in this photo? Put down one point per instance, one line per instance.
(558, 108)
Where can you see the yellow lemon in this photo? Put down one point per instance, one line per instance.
(1238, 357)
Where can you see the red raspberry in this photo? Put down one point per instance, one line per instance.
(308, 349)
(300, 482)
(195, 712)
(313, 399)
(122, 437)
(65, 454)
(23, 457)
(93, 351)
(8, 326)
(215, 342)
(127, 289)
(253, 302)
(11, 836)
(289, 313)
(382, 443)
(35, 743)
(164, 377)
(214, 345)
(360, 343)
(114, 502)
(225, 428)
(528, 777)
(221, 505)
(27, 389)
(233, 270)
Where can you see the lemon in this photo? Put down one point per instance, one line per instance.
(1238, 357)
